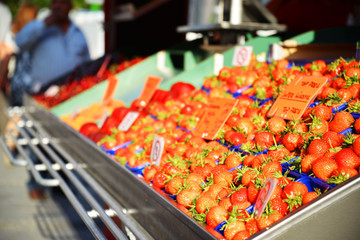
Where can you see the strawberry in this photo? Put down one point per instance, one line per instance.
(279, 205)
(232, 227)
(213, 191)
(323, 112)
(269, 169)
(233, 160)
(341, 174)
(204, 203)
(307, 160)
(253, 192)
(318, 125)
(242, 235)
(353, 72)
(348, 158)
(333, 139)
(251, 225)
(242, 205)
(159, 180)
(232, 120)
(149, 172)
(292, 141)
(247, 176)
(278, 153)
(264, 139)
(186, 197)
(223, 178)
(215, 216)
(276, 125)
(174, 185)
(258, 161)
(355, 90)
(294, 189)
(239, 196)
(245, 125)
(345, 94)
(264, 222)
(356, 146)
(309, 196)
(248, 160)
(194, 181)
(318, 146)
(342, 120)
(357, 125)
(323, 167)
(225, 203)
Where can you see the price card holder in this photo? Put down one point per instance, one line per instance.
(293, 101)
(264, 196)
(151, 84)
(128, 121)
(111, 86)
(218, 63)
(157, 149)
(216, 114)
(242, 55)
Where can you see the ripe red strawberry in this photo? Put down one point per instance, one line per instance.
(318, 146)
(269, 169)
(323, 112)
(242, 235)
(308, 197)
(292, 141)
(213, 191)
(341, 121)
(248, 160)
(159, 180)
(294, 189)
(251, 225)
(356, 146)
(357, 125)
(149, 172)
(204, 203)
(333, 139)
(264, 222)
(186, 197)
(258, 161)
(341, 174)
(276, 125)
(233, 160)
(239, 196)
(353, 72)
(224, 178)
(248, 176)
(323, 167)
(318, 125)
(232, 120)
(237, 138)
(253, 192)
(279, 205)
(306, 162)
(215, 216)
(226, 203)
(264, 139)
(348, 158)
(245, 125)
(233, 227)
(278, 153)
(174, 185)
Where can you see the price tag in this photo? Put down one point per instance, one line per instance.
(103, 118)
(103, 67)
(111, 86)
(216, 114)
(296, 97)
(128, 121)
(151, 84)
(242, 55)
(218, 63)
(157, 149)
(264, 196)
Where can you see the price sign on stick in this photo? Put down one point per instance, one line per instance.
(157, 149)
(128, 121)
(151, 84)
(111, 86)
(242, 55)
(296, 97)
(216, 114)
(264, 196)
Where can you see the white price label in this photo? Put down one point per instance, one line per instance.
(157, 149)
(52, 91)
(128, 121)
(242, 55)
(218, 63)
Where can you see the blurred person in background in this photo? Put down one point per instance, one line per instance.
(45, 50)
(5, 39)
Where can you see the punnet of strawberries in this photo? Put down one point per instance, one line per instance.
(217, 182)
(73, 87)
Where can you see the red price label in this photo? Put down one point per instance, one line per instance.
(151, 84)
(157, 149)
(293, 101)
(264, 196)
(216, 114)
(111, 86)
(242, 56)
(128, 121)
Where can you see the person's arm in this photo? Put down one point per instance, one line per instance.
(30, 34)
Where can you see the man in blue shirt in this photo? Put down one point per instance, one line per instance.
(47, 49)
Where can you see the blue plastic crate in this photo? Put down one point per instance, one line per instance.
(137, 170)
(114, 149)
